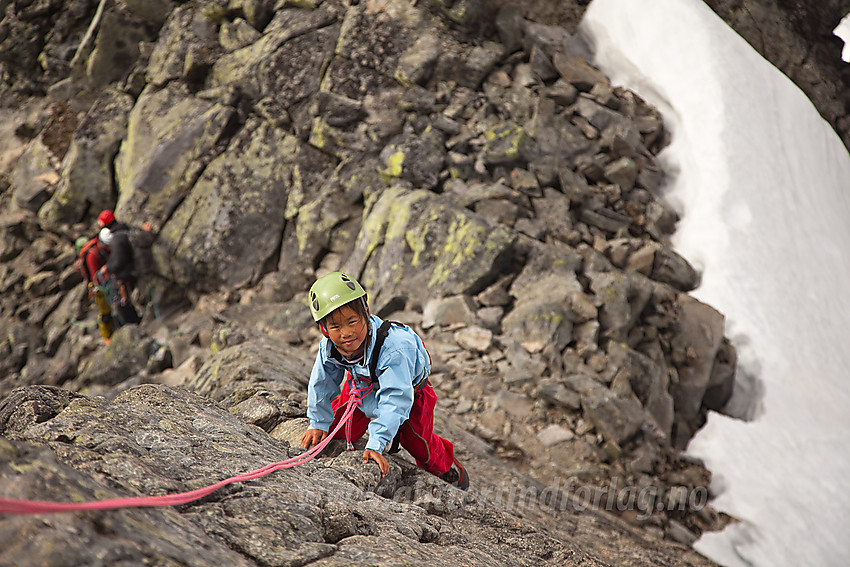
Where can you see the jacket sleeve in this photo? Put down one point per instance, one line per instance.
(325, 384)
(395, 396)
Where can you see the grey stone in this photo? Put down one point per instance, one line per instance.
(34, 176)
(476, 339)
(239, 198)
(618, 419)
(417, 63)
(415, 158)
(496, 294)
(577, 71)
(623, 172)
(562, 92)
(249, 366)
(554, 434)
(678, 532)
(448, 311)
(237, 34)
(648, 380)
(455, 251)
(517, 405)
(721, 385)
(552, 39)
(622, 298)
(643, 259)
(184, 30)
(606, 219)
(126, 355)
(155, 162)
(116, 46)
(509, 24)
(695, 346)
(87, 171)
(557, 393)
(671, 268)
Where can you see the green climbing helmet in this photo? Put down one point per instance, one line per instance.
(332, 291)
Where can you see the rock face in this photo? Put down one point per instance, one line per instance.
(154, 440)
(476, 173)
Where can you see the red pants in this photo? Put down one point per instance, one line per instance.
(432, 452)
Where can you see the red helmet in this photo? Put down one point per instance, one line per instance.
(105, 218)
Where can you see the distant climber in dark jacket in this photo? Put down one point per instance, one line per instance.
(120, 262)
(119, 267)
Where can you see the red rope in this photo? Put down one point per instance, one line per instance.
(9, 506)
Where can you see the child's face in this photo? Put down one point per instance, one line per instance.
(347, 330)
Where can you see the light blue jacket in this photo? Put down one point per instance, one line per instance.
(402, 364)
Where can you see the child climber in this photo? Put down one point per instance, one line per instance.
(399, 403)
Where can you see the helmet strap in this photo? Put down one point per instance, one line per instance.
(368, 314)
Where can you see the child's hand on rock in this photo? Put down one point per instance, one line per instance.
(313, 437)
(369, 455)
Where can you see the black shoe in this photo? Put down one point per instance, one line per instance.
(456, 476)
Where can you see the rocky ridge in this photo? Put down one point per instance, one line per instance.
(487, 185)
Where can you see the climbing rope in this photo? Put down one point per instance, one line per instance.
(9, 506)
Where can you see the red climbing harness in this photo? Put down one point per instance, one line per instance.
(9, 506)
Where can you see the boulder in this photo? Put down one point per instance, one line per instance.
(553, 214)
(35, 176)
(228, 229)
(127, 354)
(171, 134)
(645, 378)
(552, 39)
(554, 434)
(576, 71)
(671, 268)
(543, 293)
(86, 182)
(452, 250)
(558, 394)
(616, 417)
(416, 158)
(116, 46)
(186, 33)
(248, 367)
(556, 135)
(721, 385)
(417, 63)
(448, 311)
(474, 338)
(623, 172)
(152, 440)
(695, 345)
(286, 37)
(514, 404)
(622, 298)
(507, 144)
